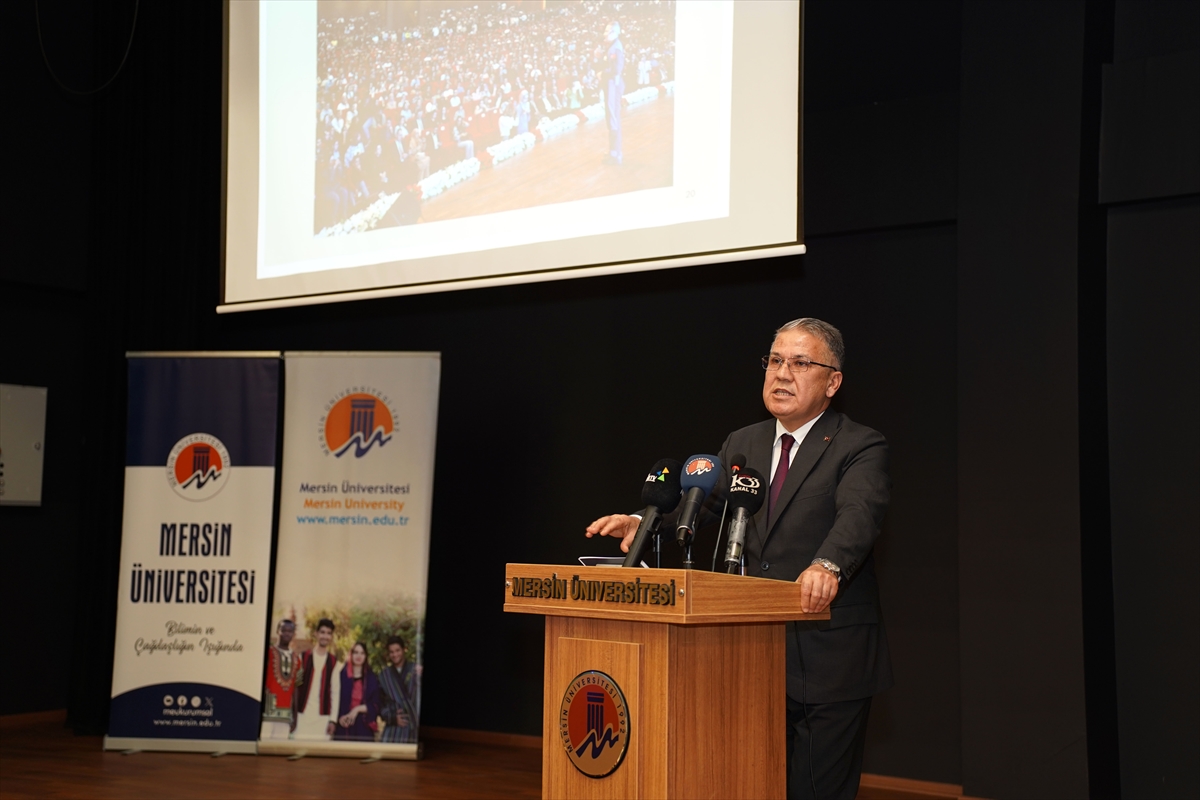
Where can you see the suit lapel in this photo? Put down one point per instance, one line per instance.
(759, 457)
(811, 450)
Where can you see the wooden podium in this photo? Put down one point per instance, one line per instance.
(660, 682)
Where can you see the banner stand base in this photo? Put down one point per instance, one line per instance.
(361, 750)
(135, 744)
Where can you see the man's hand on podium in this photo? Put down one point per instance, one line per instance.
(818, 587)
(621, 525)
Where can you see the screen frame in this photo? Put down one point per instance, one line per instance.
(732, 255)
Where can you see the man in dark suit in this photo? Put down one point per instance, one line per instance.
(614, 89)
(829, 491)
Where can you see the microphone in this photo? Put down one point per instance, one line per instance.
(660, 493)
(746, 495)
(736, 462)
(700, 473)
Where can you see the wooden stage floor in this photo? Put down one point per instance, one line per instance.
(570, 167)
(45, 760)
(41, 758)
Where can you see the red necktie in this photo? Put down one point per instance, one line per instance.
(781, 470)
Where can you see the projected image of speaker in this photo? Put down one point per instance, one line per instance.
(458, 110)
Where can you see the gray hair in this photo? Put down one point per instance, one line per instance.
(828, 334)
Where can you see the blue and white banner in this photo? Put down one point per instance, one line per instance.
(195, 551)
(344, 661)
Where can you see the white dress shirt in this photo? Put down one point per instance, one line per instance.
(797, 434)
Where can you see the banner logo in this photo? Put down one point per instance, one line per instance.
(355, 422)
(197, 466)
(698, 466)
(593, 722)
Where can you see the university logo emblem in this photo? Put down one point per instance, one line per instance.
(198, 466)
(698, 466)
(594, 724)
(355, 422)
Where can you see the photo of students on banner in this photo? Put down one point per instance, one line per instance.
(370, 693)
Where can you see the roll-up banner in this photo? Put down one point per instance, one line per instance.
(344, 659)
(195, 551)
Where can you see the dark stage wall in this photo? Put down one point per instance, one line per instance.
(1001, 209)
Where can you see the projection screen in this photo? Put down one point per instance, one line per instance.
(378, 147)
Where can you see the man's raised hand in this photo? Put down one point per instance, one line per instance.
(622, 526)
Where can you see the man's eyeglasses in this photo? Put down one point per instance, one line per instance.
(794, 365)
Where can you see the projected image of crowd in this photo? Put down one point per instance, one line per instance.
(417, 98)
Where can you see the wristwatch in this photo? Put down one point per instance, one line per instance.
(826, 564)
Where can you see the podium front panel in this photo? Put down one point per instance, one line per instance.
(597, 690)
(705, 704)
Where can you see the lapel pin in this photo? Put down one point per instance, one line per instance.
(827, 439)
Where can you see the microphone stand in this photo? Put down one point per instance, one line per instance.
(720, 525)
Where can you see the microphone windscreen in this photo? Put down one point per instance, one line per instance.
(701, 471)
(661, 488)
(747, 490)
(737, 462)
